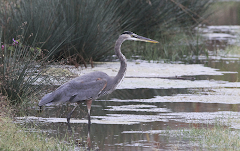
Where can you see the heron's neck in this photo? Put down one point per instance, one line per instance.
(121, 57)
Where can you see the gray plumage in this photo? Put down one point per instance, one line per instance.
(93, 85)
(82, 88)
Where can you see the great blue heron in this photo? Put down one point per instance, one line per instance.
(91, 86)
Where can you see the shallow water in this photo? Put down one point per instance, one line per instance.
(135, 124)
(143, 118)
(145, 111)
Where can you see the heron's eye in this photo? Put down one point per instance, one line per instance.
(134, 36)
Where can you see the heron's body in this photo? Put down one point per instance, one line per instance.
(91, 86)
(87, 87)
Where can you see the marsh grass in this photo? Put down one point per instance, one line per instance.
(232, 50)
(84, 30)
(15, 138)
(91, 27)
(216, 137)
(19, 68)
(177, 46)
(22, 67)
(220, 12)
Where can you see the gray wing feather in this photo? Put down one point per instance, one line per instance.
(78, 89)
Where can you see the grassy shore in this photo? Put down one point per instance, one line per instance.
(14, 137)
(216, 138)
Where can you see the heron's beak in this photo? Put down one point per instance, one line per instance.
(140, 38)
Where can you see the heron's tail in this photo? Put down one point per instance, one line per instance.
(48, 98)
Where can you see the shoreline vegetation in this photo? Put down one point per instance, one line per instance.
(22, 38)
(15, 137)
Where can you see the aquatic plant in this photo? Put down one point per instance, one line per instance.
(180, 46)
(20, 67)
(92, 26)
(214, 137)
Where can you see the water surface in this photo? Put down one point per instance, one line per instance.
(146, 110)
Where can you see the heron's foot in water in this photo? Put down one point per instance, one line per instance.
(69, 114)
(68, 117)
(69, 127)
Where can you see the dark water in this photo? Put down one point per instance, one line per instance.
(223, 65)
(138, 119)
(145, 133)
(142, 119)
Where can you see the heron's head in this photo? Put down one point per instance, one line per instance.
(131, 36)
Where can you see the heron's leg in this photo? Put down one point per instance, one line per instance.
(89, 103)
(89, 141)
(40, 109)
(69, 114)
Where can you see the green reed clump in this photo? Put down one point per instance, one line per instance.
(89, 28)
(154, 16)
(86, 30)
(20, 68)
(171, 47)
